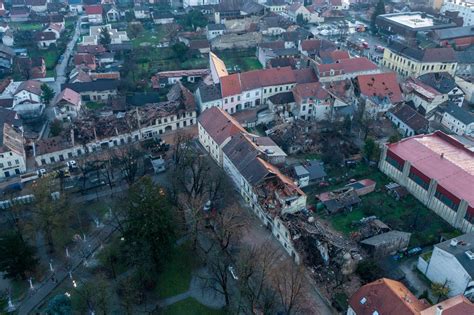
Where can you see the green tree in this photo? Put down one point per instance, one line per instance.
(441, 290)
(379, 9)
(134, 29)
(368, 271)
(55, 128)
(148, 224)
(371, 149)
(47, 94)
(300, 20)
(105, 38)
(180, 50)
(59, 305)
(394, 138)
(195, 19)
(18, 257)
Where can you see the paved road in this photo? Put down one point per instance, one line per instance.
(42, 290)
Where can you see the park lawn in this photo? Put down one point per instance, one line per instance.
(176, 275)
(190, 306)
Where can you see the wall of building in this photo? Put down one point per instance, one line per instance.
(443, 267)
(11, 164)
(404, 129)
(457, 126)
(409, 67)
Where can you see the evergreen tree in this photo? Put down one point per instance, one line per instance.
(104, 38)
(47, 94)
(18, 257)
(379, 9)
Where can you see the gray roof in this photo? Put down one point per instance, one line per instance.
(282, 98)
(464, 243)
(410, 117)
(455, 32)
(210, 92)
(316, 170)
(443, 82)
(300, 171)
(458, 112)
(216, 27)
(98, 85)
(386, 238)
(445, 54)
(244, 157)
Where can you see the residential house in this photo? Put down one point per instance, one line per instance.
(6, 58)
(141, 12)
(45, 39)
(27, 99)
(12, 152)
(273, 25)
(94, 13)
(214, 30)
(465, 67)
(31, 68)
(428, 91)
(164, 78)
(95, 91)
(208, 95)
(68, 104)
(380, 91)
(451, 262)
(457, 119)
(19, 14)
(313, 102)
(75, 6)
(466, 84)
(85, 60)
(93, 39)
(216, 128)
(346, 69)
(162, 17)
(265, 55)
(408, 61)
(407, 120)
(55, 28)
(200, 45)
(276, 6)
(435, 169)
(312, 48)
(112, 15)
(298, 8)
(38, 6)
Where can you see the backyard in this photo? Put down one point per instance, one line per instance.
(243, 60)
(407, 214)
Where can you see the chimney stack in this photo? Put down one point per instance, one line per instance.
(439, 310)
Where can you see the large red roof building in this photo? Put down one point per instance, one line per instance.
(439, 171)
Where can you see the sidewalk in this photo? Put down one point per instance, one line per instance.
(42, 290)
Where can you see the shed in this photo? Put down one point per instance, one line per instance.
(363, 186)
(387, 243)
(302, 175)
(316, 170)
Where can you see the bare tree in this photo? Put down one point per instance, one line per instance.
(126, 159)
(218, 276)
(228, 225)
(289, 282)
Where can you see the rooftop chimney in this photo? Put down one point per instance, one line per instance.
(439, 310)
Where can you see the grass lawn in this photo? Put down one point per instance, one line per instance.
(407, 214)
(94, 105)
(190, 306)
(27, 26)
(244, 59)
(50, 56)
(176, 276)
(150, 37)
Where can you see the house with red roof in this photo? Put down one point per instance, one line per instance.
(45, 39)
(386, 296)
(380, 91)
(68, 104)
(345, 69)
(216, 127)
(38, 6)
(312, 101)
(94, 13)
(438, 170)
(85, 60)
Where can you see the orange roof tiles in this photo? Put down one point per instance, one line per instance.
(219, 124)
(380, 85)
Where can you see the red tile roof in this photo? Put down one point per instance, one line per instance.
(352, 65)
(69, 96)
(386, 297)
(84, 59)
(305, 75)
(250, 80)
(457, 305)
(306, 90)
(93, 9)
(219, 124)
(31, 86)
(380, 85)
(443, 158)
(317, 45)
(230, 85)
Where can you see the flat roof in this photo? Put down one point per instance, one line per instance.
(443, 158)
(412, 20)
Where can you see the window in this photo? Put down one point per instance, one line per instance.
(446, 200)
(247, 95)
(390, 160)
(417, 179)
(226, 101)
(17, 162)
(9, 163)
(238, 98)
(51, 159)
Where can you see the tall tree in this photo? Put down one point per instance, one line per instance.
(18, 257)
(127, 160)
(379, 9)
(148, 222)
(290, 285)
(50, 216)
(104, 38)
(59, 305)
(47, 94)
(441, 290)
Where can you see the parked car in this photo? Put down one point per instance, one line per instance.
(71, 164)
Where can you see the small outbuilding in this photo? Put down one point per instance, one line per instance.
(387, 243)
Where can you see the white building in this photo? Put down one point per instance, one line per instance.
(12, 153)
(452, 262)
(464, 7)
(457, 119)
(195, 3)
(116, 37)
